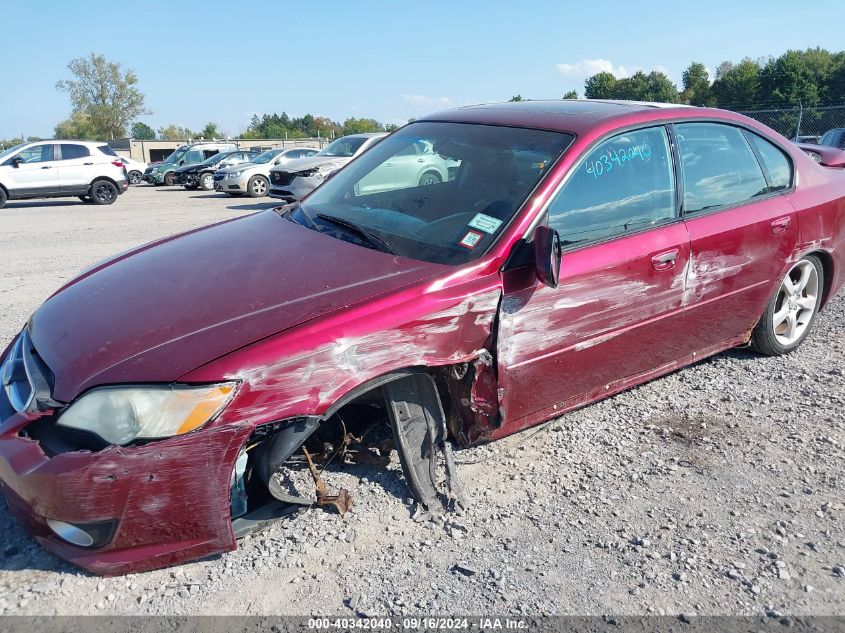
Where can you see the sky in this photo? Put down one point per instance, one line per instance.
(223, 61)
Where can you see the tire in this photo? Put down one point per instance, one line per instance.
(170, 179)
(103, 192)
(206, 182)
(257, 187)
(790, 314)
(85, 199)
(190, 187)
(135, 177)
(430, 178)
(3, 197)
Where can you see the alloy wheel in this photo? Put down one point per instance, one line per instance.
(259, 186)
(796, 303)
(104, 192)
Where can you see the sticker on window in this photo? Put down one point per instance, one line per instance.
(485, 223)
(471, 239)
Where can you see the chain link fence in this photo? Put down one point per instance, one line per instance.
(800, 124)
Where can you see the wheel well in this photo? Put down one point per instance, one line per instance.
(6, 191)
(827, 267)
(111, 180)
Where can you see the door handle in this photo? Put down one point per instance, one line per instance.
(665, 261)
(780, 225)
(87, 163)
(47, 167)
(421, 160)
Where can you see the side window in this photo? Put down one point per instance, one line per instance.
(193, 156)
(204, 155)
(37, 154)
(71, 151)
(108, 151)
(718, 165)
(774, 161)
(623, 185)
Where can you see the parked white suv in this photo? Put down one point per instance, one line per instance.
(88, 170)
(253, 178)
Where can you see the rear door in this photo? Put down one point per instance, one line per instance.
(615, 310)
(76, 167)
(742, 229)
(37, 174)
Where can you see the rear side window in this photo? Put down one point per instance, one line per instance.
(774, 161)
(105, 149)
(70, 151)
(718, 165)
(624, 185)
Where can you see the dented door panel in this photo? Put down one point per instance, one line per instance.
(612, 315)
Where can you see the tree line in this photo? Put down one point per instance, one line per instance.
(812, 77)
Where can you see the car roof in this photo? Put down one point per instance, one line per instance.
(365, 135)
(572, 115)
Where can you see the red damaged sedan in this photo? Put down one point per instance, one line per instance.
(152, 408)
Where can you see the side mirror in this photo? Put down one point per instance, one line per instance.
(547, 255)
(16, 161)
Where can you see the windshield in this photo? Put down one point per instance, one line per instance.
(174, 156)
(830, 137)
(6, 153)
(266, 157)
(438, 192)
(345, 146)
(216, 158)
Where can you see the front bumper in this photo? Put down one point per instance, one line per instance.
(226, 184)
(187, 178)
(168, 500)
(297, 189)
(154, 178)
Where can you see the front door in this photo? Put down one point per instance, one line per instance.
(37, 174)
(613, 313)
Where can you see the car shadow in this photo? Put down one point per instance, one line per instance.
(13, 204)
(255, 206)
(215, 196)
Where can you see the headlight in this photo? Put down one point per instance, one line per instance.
(308, 173)
(235, 174)
(120, 415)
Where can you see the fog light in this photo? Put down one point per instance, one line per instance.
(83, 534)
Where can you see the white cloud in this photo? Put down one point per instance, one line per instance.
(423, 100)
(589, 67)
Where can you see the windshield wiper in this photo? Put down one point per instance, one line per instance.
(368, 237)
(287, 210)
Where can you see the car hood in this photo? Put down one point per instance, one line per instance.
(310, 162)
(186, 169)
(242, 167)
(162, 310)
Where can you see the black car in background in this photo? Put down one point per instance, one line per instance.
(201, 175)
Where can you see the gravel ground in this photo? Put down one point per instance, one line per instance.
(715, 490)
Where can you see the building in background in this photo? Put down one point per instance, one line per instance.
(154, 151)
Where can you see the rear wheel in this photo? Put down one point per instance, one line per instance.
(170, 179)
(430, 178)
(206, 182)
(135, 177)
(257, 186)
(792, 311)
(3, 197)
(103, 192)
